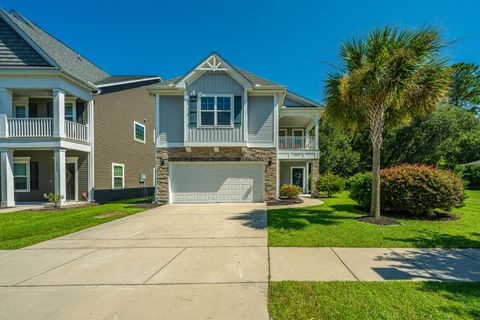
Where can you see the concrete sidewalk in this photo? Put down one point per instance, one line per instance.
(171, 262)
(374, 264)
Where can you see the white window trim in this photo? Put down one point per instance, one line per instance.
(135, 123)
(74, 109)
(302, 130)
(304, 180)
(113, 175)
(215, 125)
(21, 102)
(282, 130)
(26, 161)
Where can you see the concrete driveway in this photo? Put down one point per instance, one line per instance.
(172, 262)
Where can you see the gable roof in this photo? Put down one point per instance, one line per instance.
(15, 51)
(300, 101)
(50, 48)
(215, 62)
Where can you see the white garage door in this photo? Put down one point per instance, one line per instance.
(197, 182)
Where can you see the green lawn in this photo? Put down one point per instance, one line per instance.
(332, 225)
(24, 228)
(374, 300)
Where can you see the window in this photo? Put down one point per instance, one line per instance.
(20, 111)
(118, 176)
(70, 111)
(21, 174)
(215, 110)
(139, 132)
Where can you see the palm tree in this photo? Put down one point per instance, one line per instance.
(385, 79)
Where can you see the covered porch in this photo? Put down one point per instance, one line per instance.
(296, 172)
(27, 175)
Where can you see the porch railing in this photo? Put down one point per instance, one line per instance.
(30, 127)
(296, 143)
(76, 131)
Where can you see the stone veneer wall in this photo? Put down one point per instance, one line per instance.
(314, 176)
(224, 154)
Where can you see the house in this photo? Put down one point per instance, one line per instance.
(52, 138)
(227, 135)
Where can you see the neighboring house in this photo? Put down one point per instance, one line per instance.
(47, 128)
(227, 135)
(124, 137)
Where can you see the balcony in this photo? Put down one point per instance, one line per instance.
(297, 147)
(296, 143)
(43, 128)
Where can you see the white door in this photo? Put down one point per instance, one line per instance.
(197, 182)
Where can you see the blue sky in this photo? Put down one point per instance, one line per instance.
(289, 42)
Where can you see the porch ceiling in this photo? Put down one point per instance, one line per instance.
(295, 121)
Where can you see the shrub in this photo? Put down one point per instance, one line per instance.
(471, 175)
(360, 186)
(414, 189)
(330, 183)
(56, 199)
(289, 191)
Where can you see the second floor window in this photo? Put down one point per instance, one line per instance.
(216, 111)
(20, 112)
(69, 111)
(139, 132)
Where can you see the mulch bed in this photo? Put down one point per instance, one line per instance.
(146, 205)
(383, 221)
(283, 202)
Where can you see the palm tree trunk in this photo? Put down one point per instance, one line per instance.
(377, 120)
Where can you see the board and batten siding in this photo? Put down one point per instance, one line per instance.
(171, 120)
(260, 120)
(218, 82)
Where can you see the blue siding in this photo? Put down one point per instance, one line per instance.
(211, 83)
(171, 119)
(260, 120)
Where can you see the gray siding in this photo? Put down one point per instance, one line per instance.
(171, 119)
(215, 82)
(291, 103)
(260, 119)
(211, 83)
(285, 170)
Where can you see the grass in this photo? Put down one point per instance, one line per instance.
(24, 228)
(333, 225)
(374, 300)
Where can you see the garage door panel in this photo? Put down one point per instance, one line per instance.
(216, 182)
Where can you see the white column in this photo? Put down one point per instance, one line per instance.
(7, 181)
(316, 131)
(91, 158)
(60, 167)
(58, 113)
(6, 102)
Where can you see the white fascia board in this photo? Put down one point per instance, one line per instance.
(41, 144)
(127, 82)
(215, 144)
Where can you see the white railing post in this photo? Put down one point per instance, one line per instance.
(316, 131)
(3, 126)
(58, 113)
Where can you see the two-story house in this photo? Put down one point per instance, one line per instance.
(52, 138)
(227, 135)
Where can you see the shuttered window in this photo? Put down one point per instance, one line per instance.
(237, 110)
(34, 179)
(192, 111)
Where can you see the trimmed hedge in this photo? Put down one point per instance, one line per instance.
(413, 189)
(289, 191)
(330, 183)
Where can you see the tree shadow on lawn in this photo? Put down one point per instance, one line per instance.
(459, 293)
(300, 218)
(433, 239)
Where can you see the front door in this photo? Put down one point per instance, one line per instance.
(70, 181)
(298, 177)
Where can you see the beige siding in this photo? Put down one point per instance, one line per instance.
(115, 114)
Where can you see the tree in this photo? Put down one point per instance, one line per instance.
(336, 154)
(465, 88)
(385, 79)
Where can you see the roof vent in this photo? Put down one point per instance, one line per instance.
(79, 57)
